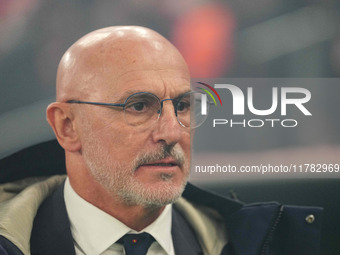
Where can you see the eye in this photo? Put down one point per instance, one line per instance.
(141, 104)
(183, 106)
(138, 106)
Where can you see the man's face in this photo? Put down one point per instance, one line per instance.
(141, 165)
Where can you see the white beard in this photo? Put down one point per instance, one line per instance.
(119, 180)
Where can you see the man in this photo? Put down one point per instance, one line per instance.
(122, 115)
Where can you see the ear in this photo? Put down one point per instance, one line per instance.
(61, 119)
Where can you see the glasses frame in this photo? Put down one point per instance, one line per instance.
(159, 112)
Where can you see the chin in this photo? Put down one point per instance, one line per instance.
(155, 195)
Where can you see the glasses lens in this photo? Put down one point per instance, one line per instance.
(192, 109)
(141, 109)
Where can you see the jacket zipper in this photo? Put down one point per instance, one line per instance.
(271, 231)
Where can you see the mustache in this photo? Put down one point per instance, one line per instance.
(164, 152)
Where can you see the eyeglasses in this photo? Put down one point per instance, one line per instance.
(144, 108)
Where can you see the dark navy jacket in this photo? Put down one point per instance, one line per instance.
(266, 229)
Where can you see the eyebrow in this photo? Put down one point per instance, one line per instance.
(183, 93)
(128, 93)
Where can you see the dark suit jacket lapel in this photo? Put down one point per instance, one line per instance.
(51, 234)
(184, 239)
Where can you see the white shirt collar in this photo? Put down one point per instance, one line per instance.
(94, 231)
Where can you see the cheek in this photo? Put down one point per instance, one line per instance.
(122, 141)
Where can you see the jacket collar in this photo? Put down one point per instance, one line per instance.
(223, 205)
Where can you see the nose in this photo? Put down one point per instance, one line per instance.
(167, 130)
